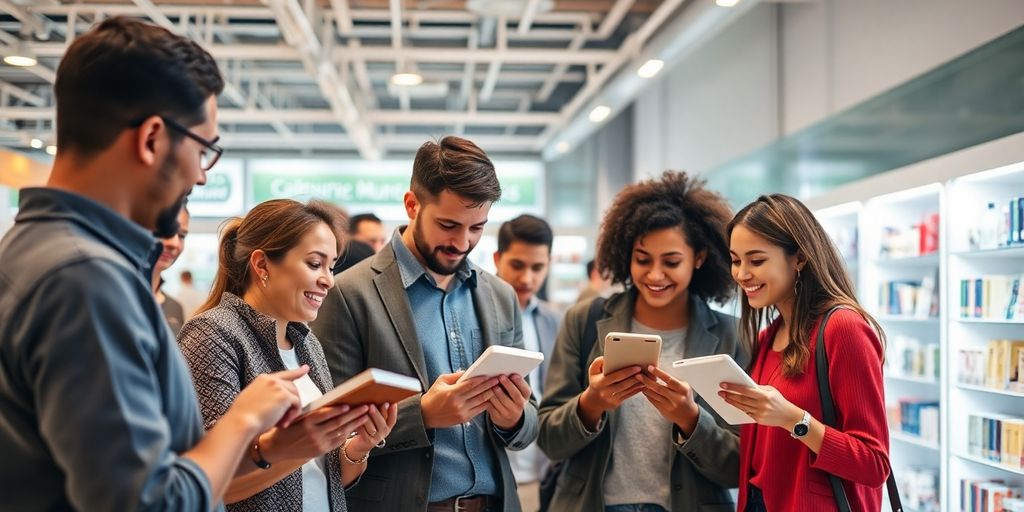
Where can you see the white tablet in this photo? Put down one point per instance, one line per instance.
(502, 360)
(706, 374)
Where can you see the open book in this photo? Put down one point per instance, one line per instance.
(371, 386)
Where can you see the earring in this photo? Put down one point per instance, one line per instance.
(264, 278)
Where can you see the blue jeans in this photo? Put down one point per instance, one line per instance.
(639, 507)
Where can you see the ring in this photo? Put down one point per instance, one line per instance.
(373, 434)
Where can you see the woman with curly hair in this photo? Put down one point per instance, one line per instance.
(638, 439)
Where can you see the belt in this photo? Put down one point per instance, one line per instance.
(466, 504)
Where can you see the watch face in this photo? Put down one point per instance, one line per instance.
(800, 430)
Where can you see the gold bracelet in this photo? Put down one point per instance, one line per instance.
(344, 454)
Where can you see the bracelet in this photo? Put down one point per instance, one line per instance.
(257, 456)
(344, 454)
(382, 443)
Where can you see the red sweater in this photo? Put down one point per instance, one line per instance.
(790, 475)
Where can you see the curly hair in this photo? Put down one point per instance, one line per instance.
(675, 200)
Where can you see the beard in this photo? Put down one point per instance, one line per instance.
(167, 224)
(430, 255)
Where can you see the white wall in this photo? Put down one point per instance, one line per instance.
(784, 66)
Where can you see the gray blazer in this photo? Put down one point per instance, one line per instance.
(704, 466)
(547, 320)
(366, 321)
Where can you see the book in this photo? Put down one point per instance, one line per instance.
(371, 386)
(501, 360)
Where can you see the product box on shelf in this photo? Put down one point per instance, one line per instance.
(992, 297)
(996, 437)
(986, 495)
(919, 488)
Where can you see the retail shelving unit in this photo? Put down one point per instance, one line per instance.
(974, 252)
(900, 283)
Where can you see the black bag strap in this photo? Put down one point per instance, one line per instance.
(589, 338)
(828, 411)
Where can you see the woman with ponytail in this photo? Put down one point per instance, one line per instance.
(274, 271)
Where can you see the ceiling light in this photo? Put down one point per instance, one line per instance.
(562, 147)
(650, 68)
(406, 79)
(18, 54)
(726, 3)
(600, 113)
(51, 150)
(36, 143)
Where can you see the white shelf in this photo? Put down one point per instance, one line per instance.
(987, 321)
(910, 378)
(994, 391)
(990, 463)
(927, 260)
(907, 319)
(1002, 252)
(903, 437)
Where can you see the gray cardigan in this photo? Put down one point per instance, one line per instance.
(704, 466)
(366, 322)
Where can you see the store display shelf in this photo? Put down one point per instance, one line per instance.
(908, 319)
(990, 463)
(1002, 252)
(987, 321)
(903, 437)
(994, 391)
(926, 260)
(930, 381)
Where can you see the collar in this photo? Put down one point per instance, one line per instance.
(125, 236)
(412, 270)
(701, 316)
(531, 306)
(263, 324)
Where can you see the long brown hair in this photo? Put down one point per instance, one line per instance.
(822, 283)
(274, 227)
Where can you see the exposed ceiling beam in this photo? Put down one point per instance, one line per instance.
(528, 13)
(158, 17)
(342, 16)
(614, 17)
(28, 20)
(22, 94)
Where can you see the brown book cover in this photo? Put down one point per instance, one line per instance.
(371, 386)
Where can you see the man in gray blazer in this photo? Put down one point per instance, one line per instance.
(522, 260)
(419, 307)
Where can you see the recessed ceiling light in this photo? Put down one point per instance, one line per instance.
(36, 143)
(650, 68)
(600, 113)
(726, 3)
(406, 79)
(562, 147)
(51, 150)
(22, 61)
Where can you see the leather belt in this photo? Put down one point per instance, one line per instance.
(466, 504)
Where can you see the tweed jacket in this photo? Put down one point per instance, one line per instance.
(227, 347)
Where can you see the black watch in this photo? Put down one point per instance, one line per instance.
(257, 456)
(802, 427)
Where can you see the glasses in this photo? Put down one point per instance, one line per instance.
(211, 151)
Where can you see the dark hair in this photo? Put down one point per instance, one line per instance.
(675, 200)
(457, 165)
(123, 71)
(590, 268)
(356, 220)
(822, 283)
(274, 227)
(525, 228)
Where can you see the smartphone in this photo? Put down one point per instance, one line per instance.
(622, 349)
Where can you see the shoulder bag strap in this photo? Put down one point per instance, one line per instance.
(589, 337)
(828, 410)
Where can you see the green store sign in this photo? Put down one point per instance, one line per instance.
(218, 189)
(353, 190)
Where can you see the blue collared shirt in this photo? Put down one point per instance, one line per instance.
(96, 403)
(449, 333)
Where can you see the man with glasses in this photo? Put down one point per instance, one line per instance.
(97, 407)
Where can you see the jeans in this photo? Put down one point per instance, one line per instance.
(755, 500)
(639, 507)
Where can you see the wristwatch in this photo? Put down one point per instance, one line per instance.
(802, 427)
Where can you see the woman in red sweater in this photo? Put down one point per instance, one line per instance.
(791, 274)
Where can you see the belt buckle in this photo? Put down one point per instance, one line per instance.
(458, 503)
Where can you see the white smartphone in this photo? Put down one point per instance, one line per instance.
(623, 349)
